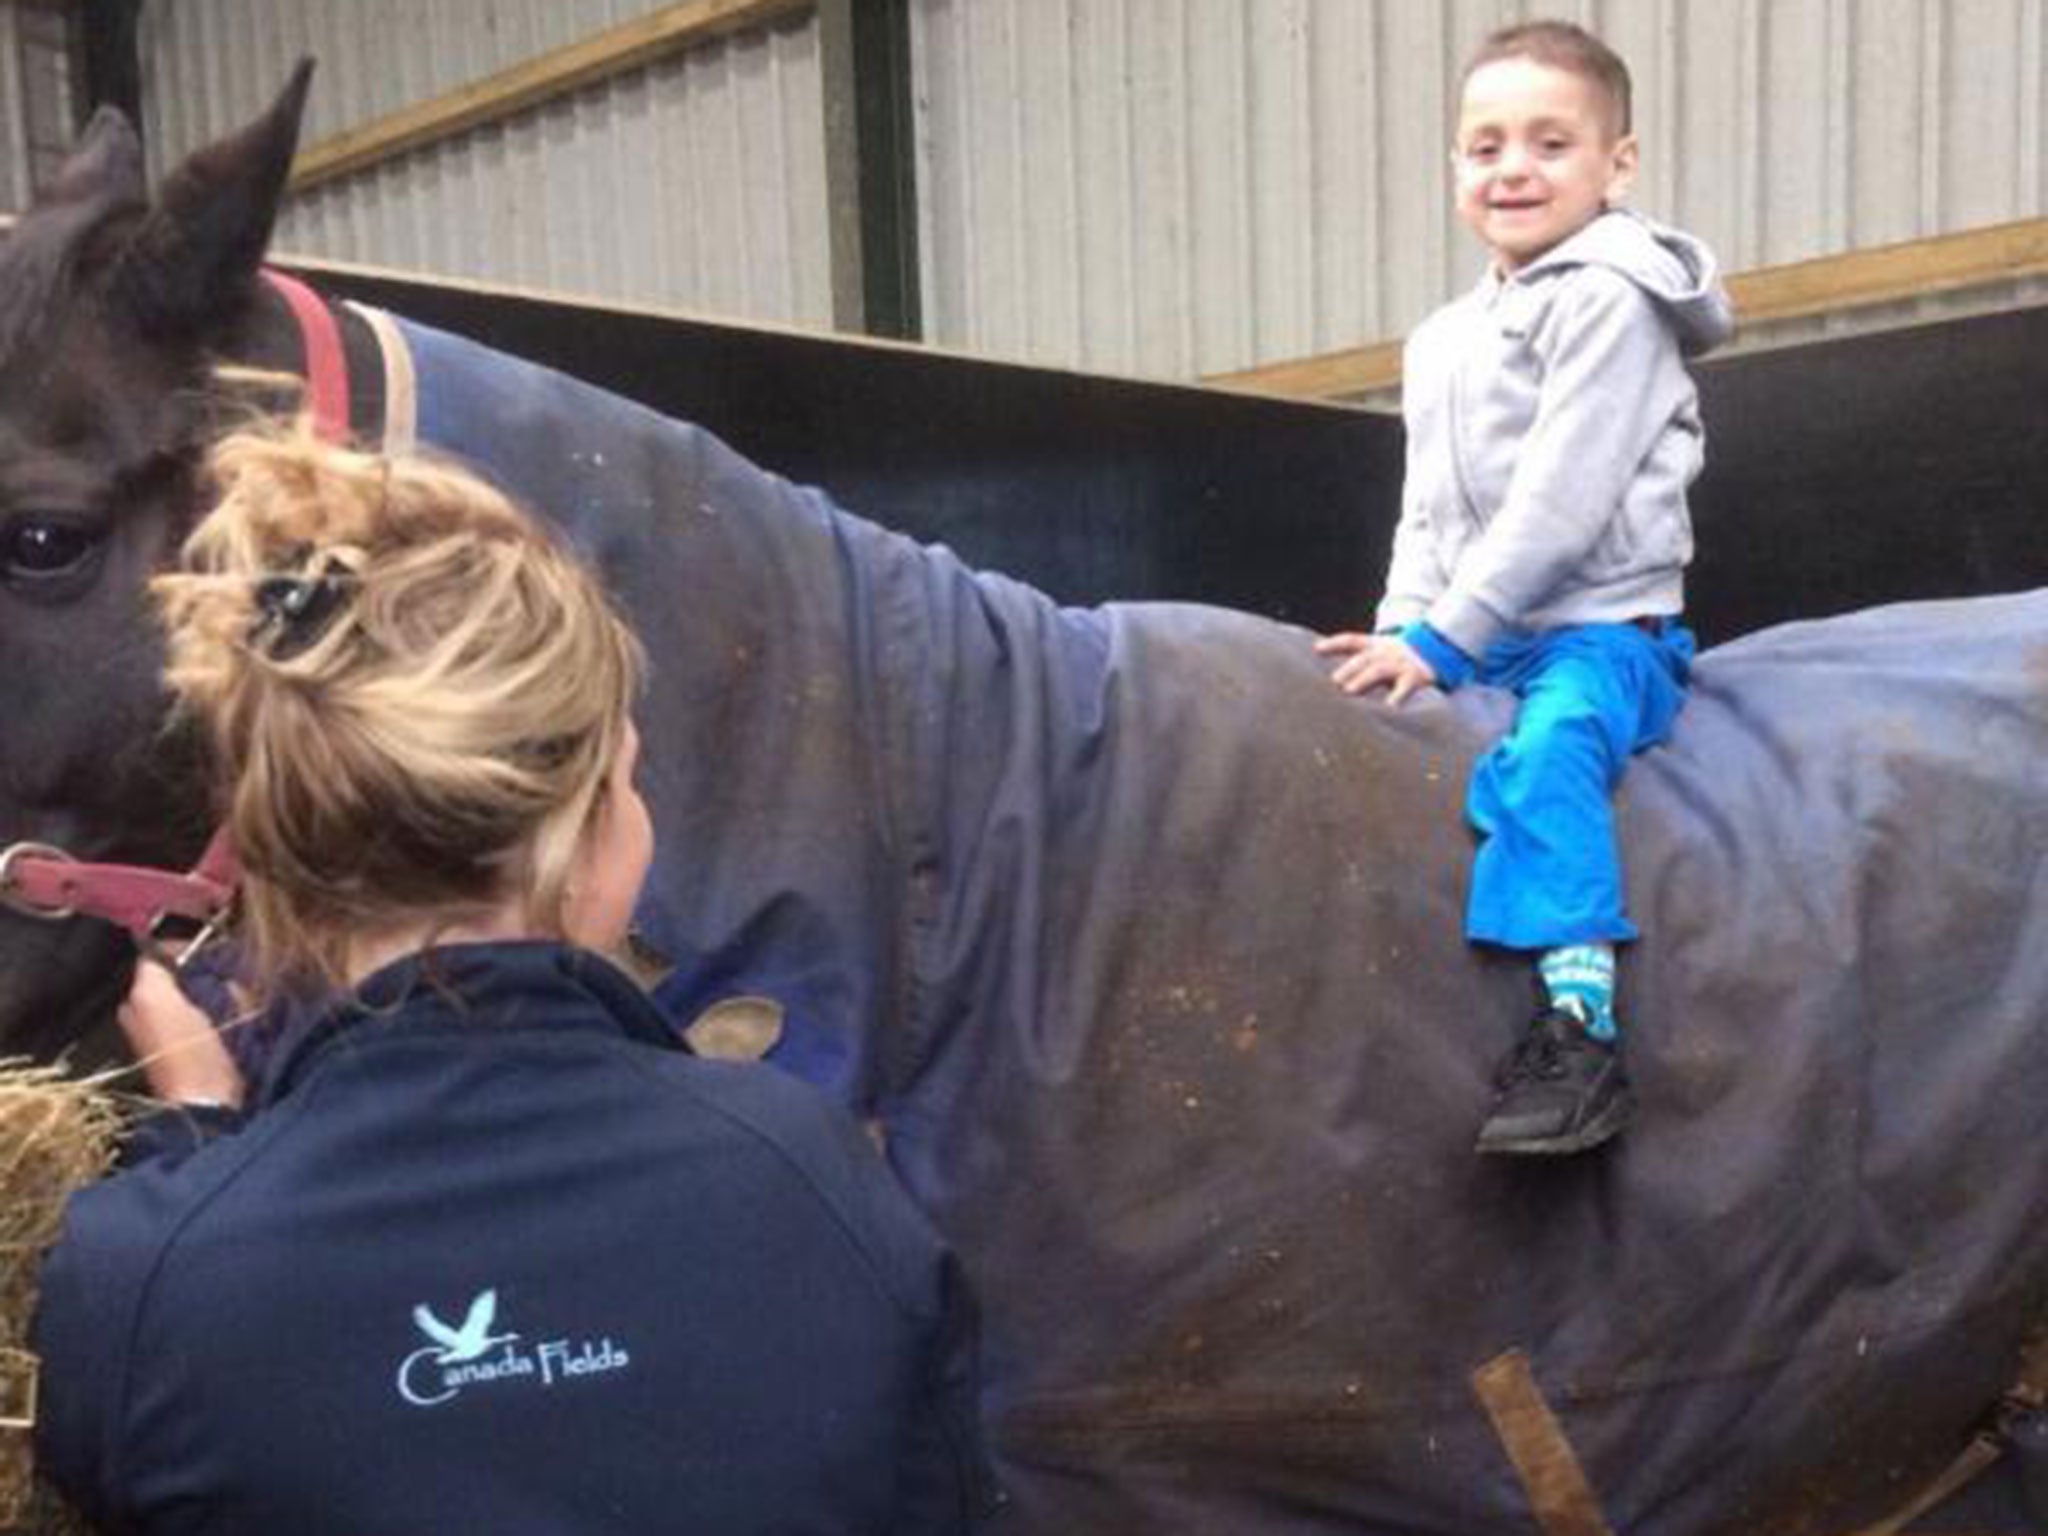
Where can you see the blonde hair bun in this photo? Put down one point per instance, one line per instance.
(413, 693)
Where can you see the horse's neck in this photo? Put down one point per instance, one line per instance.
(260, 348)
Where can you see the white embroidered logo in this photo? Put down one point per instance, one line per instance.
(472, 1339)
(459, 1358)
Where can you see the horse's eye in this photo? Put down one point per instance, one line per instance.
(39, 548)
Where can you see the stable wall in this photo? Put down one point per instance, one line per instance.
(1189, 187)
(37, 98)
(696, 179)
(1171, 188)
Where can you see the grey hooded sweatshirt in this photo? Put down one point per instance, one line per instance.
(1552, 432)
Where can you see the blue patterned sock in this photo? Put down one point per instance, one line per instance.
(1580, 979)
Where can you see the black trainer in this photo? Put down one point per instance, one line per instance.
(1560, 1090)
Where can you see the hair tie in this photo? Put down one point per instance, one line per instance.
(295, 611)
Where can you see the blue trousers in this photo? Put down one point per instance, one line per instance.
(1548, 871)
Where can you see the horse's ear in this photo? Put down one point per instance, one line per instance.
(82, 205)
(103, 170)
(76, 219)
(189, 267)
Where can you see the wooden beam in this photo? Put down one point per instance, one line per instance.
(1886, 274)
(1881, 274)
(1326, 376)
(534, 81)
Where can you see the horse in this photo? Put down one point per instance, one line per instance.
(1141, 945)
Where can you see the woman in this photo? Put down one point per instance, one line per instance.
(485, 1249)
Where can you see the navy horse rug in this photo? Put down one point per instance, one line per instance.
(1142, 945)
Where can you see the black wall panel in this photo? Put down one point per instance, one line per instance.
(1907, 464)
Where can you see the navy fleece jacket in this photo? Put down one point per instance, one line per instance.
(493, 1254)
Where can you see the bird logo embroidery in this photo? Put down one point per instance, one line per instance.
(472, 1339)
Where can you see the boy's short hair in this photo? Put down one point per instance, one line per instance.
(1561, 45)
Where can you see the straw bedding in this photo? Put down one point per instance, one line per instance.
(56, 1135)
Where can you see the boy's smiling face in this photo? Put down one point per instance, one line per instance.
(1538, 157)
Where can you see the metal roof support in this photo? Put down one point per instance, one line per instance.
(870, 167)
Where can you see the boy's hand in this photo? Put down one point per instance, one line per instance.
(1376, 661)
(180, 1051)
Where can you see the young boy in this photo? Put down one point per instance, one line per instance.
(1552, 432)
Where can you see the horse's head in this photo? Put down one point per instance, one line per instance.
(112, 311)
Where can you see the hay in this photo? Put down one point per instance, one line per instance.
(57, 1134)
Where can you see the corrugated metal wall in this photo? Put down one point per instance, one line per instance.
(696, 182)
(14, 178)
(1169, 187)
(1178, 187)
(36, 98)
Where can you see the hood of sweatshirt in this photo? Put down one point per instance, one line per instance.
(1671, 266)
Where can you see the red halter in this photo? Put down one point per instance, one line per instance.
(326, 362)
(37, 880)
